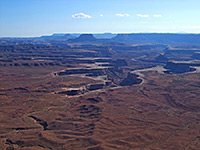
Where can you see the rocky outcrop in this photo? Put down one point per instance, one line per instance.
(93, 87)
(70, 92)
(120, 62)
(34, 64)
(130, 80)
(161, 59)
(40, 121)
(178, 68)
(94, 100)
(91, 72)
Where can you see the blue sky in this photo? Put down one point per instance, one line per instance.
(19, 18)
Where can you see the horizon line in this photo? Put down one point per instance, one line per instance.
(99, 33)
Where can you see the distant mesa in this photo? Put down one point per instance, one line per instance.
(104, 35)
(58, 37)
(58, 34)
(98, 35)
(84, 38)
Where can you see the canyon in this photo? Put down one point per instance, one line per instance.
(130, 91)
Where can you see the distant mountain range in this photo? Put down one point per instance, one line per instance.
(133, 38)
(58, 37)
(158, 38)
(75, 35)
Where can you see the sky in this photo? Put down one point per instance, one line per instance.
(29, 18)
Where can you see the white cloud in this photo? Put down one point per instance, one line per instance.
(157, 15)
(101, 15)
(81, 15)
(126, 15)
(122, 15)
(143, 16)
